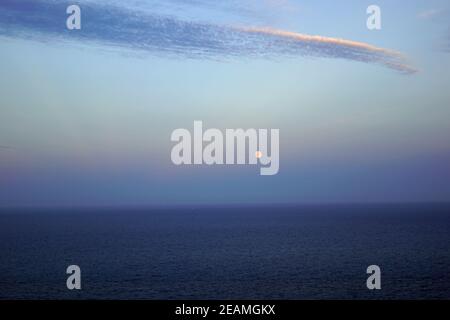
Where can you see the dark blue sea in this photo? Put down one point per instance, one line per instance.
(298, 252)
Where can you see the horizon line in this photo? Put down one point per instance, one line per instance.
(220, 205)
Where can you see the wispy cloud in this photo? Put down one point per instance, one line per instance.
(439, 17)
(447, 41)
(168, 35)
(337, 48)
(251, 10)
(430, 13)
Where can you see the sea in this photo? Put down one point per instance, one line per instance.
(231, 252)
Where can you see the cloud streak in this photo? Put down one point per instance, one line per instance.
(171, 36)
(439, 17)
(430, 13)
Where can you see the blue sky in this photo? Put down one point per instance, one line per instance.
(86, 115)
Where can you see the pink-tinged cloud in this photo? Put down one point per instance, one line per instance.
(169, 36)
(337, 47)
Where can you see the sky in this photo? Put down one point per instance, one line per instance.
(86, 115)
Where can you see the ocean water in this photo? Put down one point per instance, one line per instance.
(303, 252)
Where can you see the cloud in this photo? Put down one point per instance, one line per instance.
(430, 14)
(166, 35)
(447, 41)
(440, 17)
(336, 48)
